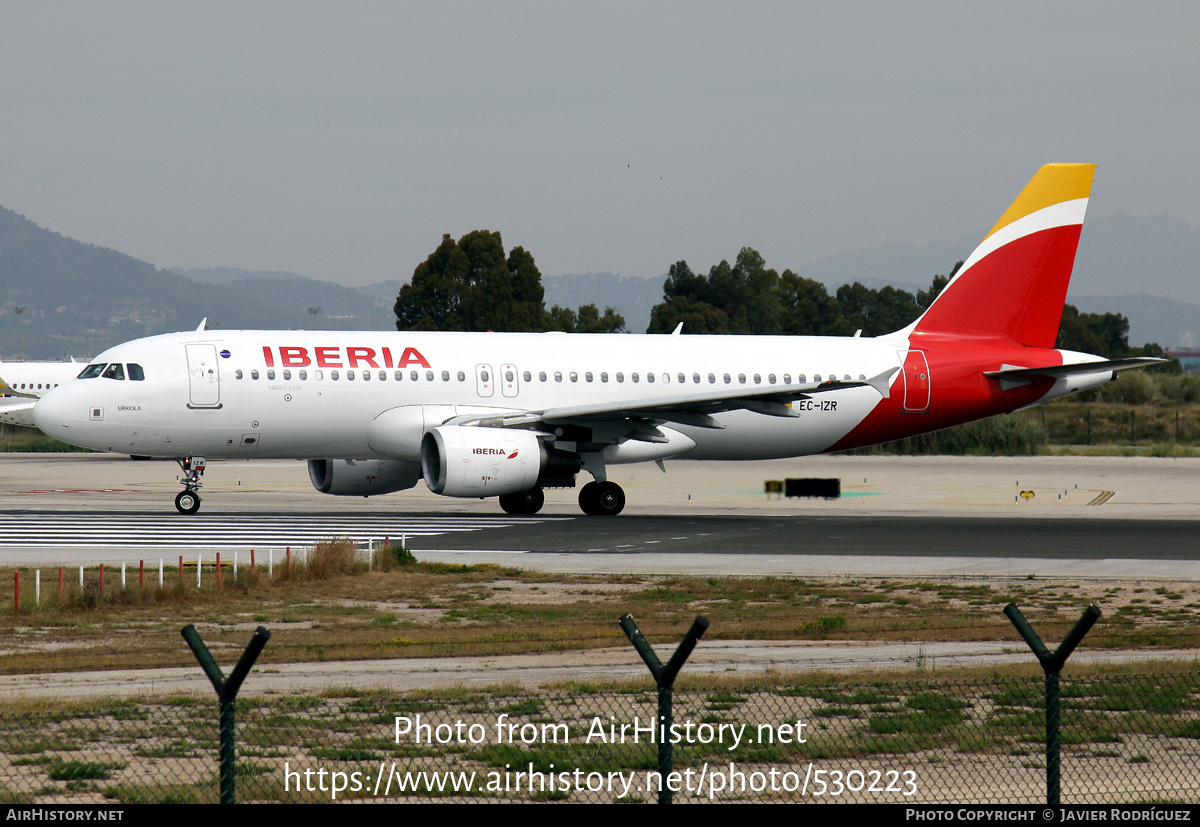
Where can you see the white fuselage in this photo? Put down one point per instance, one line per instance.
(299, 394)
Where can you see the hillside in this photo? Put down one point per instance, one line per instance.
(80, 298)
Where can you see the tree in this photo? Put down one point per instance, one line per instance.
(742, 297)
(1104, 334)
(587, 320)
(470, 285)
(748, 297)
(809, 310)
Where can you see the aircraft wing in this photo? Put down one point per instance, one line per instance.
(686, 407)
(17, 413)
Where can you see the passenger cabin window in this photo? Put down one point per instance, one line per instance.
(114, 371)
(136, 374)
(238, 373)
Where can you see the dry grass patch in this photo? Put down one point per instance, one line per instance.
(330, 607)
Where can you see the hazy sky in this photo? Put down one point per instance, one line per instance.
(341, 140)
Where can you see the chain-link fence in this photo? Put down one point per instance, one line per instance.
(1124, 739)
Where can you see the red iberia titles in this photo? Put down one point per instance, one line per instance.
(298, 356)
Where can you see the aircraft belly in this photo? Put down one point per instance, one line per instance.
(822, 421)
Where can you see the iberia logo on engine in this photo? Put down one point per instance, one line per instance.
(494, 451)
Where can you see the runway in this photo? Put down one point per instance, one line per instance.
(155, 530)
(1089, 517)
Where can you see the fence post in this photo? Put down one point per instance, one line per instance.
(664, 676)
(226, 694)
(1052, 664)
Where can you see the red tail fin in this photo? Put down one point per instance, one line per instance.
(1013, 286)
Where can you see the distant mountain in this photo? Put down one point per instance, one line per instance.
(224, 275)
(79, 298)
(1117, 254)
(1151, 318)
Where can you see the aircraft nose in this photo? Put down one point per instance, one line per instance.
(52, 413)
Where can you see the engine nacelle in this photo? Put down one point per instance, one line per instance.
(465, 461)
(362, 477)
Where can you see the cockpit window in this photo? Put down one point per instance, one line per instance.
(136, 374)
(91, 371)
(114, 371)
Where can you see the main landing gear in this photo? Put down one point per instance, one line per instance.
(601, 499)
(188, 501)
(525, 502)
(597, 499)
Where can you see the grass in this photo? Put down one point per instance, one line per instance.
(330, 607)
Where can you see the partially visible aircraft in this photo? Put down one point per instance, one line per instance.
(508, 414)
(23, 383)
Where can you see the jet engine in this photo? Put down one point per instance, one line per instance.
(466, 461)
(362, 477)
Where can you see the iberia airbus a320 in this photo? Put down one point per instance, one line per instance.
(508, 414)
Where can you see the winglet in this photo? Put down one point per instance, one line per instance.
(203, 324)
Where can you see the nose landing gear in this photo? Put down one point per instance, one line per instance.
(188, 501)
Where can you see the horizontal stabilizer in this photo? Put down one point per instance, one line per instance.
(1013, 376)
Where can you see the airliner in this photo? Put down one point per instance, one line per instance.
(508, 415)
(22, 383)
